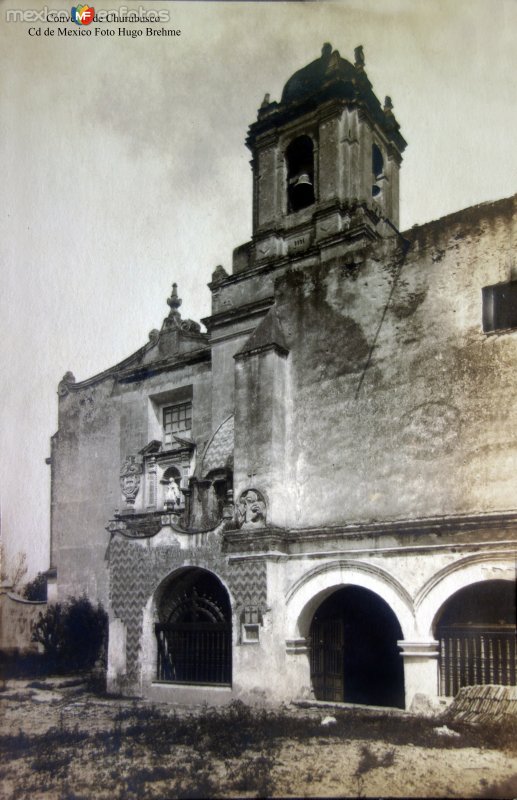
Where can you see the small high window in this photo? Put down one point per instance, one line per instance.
(176, 420)
(300, 173)
(377, 171)
(500, 307)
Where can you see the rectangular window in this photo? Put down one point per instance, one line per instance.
(250, 634)
(500, 307)
(176, 420)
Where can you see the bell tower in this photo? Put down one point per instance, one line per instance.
(325, 160)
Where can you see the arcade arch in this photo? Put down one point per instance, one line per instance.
(194, 629)
(352, 617)
(476, 631)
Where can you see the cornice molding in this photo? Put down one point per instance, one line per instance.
(341, 92)
(143, 371)
(230, 315)
(504, 520)
(277, 542)
(265, 348)
(281, 539)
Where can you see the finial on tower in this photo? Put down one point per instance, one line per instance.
(326, 50)
(174, 301)
(359, 57)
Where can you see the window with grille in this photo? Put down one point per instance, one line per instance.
(176, 420)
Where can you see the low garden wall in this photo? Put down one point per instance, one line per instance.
(17, 619)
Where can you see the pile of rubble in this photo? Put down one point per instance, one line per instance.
(480, 703)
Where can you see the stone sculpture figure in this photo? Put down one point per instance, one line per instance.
(172, 494)
(252, 510)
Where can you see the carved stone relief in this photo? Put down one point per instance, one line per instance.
(130, 473)
(251, 510)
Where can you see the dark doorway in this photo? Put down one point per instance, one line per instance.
(194, 634)
(354, 652)
(476, 630)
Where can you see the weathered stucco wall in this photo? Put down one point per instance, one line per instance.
(85, 465)
(99, 426)
(401, 406)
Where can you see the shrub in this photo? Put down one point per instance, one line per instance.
(49, 632)
(73, 634)
(36, 589)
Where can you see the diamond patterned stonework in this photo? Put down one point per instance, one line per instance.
(219, 452)
(136, 572)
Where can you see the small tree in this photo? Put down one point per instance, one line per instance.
(36, 589)
(13, 570)
(49, 632)
(72, 634)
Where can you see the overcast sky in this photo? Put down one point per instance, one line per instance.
(124, 169)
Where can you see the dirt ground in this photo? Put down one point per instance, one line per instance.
(60, 741)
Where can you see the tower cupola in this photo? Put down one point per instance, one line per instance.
(326, 159)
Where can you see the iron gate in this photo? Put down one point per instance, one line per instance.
(327, 661)
(195, 641)
(194, 653)
(474, 654)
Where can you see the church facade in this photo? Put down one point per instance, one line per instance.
(315, 498)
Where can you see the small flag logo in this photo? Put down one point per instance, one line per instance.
(82, 15)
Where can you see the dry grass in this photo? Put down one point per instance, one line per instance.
(135, 751)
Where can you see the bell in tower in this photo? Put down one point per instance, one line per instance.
(300, 173)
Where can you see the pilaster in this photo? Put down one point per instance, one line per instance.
(420, 668)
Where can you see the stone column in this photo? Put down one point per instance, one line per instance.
(117, 667)
(330, 158)
(420, 668)
(298, 669)
(364, 171)
(267, 177)
(261, 419)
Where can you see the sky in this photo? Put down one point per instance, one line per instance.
(123, 169)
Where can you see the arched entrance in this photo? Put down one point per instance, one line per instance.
(194, 632)
(476, 630)
(354, 653)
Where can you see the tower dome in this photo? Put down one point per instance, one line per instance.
(316, 75)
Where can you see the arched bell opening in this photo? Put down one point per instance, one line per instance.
(299, 158)
(377, 171)
(477, 634)
(194, 631)
(353, 650)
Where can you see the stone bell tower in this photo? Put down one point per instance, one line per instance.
(326, 160)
